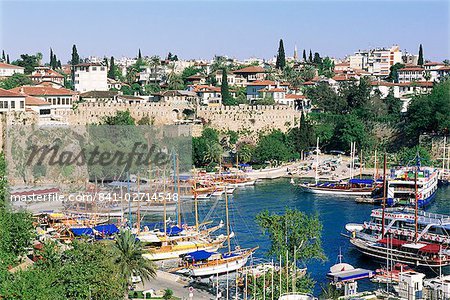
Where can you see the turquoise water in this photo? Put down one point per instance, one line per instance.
(334, 212)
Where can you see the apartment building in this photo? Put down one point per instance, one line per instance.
(90, 77)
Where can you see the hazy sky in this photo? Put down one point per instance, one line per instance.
(201, 29)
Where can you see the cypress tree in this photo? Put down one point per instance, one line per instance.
(420, 60)
(55, 62)
(112, 67)
(51, 58)
(3, 55)
(139, 54)
(317, 59)
(7, 58)
(281, 57)
(310, 56)
(59, 64)
(75, 57)
(226, 97)
(304, 55)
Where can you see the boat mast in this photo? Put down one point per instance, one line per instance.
(130, 217)
(178, 192)
(228, 220)
(164, 201)
(360, 164)
(384, 195)
(317, 162)
(195, 204)
(443, 155)
(138, 216)
(375, 173)
(416, 218)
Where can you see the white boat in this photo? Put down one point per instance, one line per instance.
(354, 187)
(296, 296)
(181, 248)
(401, 186)
(204, 263)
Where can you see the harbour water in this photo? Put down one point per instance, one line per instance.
(334, 212)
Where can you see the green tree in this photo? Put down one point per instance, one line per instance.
(189, 71)
(51, 58)
(3, 55)
(317, 59)
(227, 99)
(7, 58)
(14, 81)
(407, 156)
(420, 59)
(139, 55)
(129, 258)
(120, 118)
(351, 129)
(176, 83)
(281, 57)
(324, 97)
(245, 152)
(393, 74)
(29, 62)
(112, 69)
(274, 147)
(75, 57)
(310, 56)
(267, 100)
(16, 231)
(307, 73)
(429, 113)
(304, 55)
(168, 294)
(326, 67)
(302, 137)
(292, 231)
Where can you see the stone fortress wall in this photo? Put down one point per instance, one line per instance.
(248, 120)
(251, 119)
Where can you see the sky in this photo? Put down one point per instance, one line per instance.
(240, 29)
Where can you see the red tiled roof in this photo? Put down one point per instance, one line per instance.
(9, 66)
(407, 69)
(293, 96)
(251, 69)
(42, 91)
(444, 69)
(433, 63)
(262, 82)
(33, 101)
(47, 73)
(272, 90)
(382, 83)
(417, 83)
(308, 83)
(6, 93)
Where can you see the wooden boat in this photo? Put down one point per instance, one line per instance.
(384, 275)
(204, 263)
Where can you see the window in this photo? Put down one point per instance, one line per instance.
(94, 68)
(22, 104)
(13, 104)
(102, 69)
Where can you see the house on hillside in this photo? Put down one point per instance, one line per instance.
(45, 74)
(252, 73)
(58, 98)
(7, 70)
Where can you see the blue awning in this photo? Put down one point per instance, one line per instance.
(199, 255)
(174, 230)
(108, 229)
(82, 231)
(360, 181)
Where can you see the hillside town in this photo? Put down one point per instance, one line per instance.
(47, 88)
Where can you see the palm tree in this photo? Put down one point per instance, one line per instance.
(129, 258)
(213, 152)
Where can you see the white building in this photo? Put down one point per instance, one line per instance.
(7, 70)
(376, 61)
(409, 74)
(11, 101)
(45, 74)
(90, 77)
(410, 286)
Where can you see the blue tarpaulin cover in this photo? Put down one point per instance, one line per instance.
(174, 230)
(82, 231)
(360, 181)
(108, 229)
(199, 255)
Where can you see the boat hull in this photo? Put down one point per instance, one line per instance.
(175, 253)
(338, 192)
(380, 253)
(219, 268)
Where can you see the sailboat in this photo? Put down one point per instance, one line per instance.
(204, 263)
(179, 239)
(352, 187)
